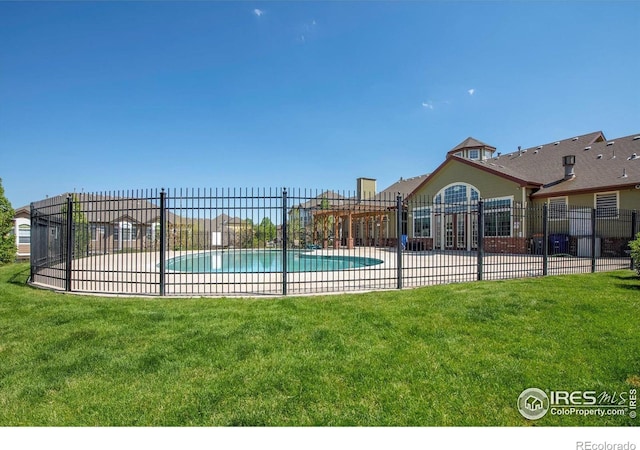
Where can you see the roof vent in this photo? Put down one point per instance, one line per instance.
(632, 157)
(568, 162)
(575, 138)
(610, 143)
(535, 152)
(556, 143)
(635, 138)
(538, 147)
(599, 156)
(588, 148)
(624, 173)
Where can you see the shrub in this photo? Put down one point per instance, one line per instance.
(635, 252)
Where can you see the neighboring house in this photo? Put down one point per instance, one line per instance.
(114, 224)
(324, 200)
(572, 175)
(22, 231)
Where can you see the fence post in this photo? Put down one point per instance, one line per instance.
(480, 240)
(634, 224)
(32, 259)
(593, 240)
(285, 238)
(545, 239)
(163, 241)
(69, 243)
(399, 240)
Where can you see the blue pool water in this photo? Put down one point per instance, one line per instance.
(249, 261)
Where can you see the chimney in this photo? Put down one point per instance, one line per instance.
(366, 188)
(568, 162)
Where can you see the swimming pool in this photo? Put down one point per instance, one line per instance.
(259, 261)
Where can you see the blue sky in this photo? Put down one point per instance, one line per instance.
(105, 96)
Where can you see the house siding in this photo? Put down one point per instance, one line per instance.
(489, 186)
(454, 171)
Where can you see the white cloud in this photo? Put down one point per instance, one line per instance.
(471, 91)
(427, 105)
(258, 12)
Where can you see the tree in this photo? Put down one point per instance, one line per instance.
(81, 234)
(295, 232)
(7, 238)
(244, 235)
(325, 223)
(266, 231)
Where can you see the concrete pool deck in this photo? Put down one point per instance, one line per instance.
(137, 273)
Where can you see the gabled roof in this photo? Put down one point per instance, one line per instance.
(106, 209)
(404, 187)
(332, 197)
(470, 143)
(606, 165)
(533, 167)
(600, 165)
(541, 164)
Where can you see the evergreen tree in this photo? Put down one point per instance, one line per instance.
(7, 238)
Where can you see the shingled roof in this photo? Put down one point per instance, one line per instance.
(404, 186)
(470, 143)
(600, 164)
(100, 208)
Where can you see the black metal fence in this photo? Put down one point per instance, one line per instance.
(192, 242)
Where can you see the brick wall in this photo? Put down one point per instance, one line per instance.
(506, 245)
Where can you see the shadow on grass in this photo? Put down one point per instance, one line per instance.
(631, 287)
(21, 277)
(631, 277)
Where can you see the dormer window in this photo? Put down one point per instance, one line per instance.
(474, 153)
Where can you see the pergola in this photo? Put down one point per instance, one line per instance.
(348, 215)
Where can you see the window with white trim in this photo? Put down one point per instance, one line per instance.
(422, 222)
(497, 216)
(24, 234)
(125, 232)
(606, 205)
(97, 231)
(474, 153)
(558, 208)
(152, 231)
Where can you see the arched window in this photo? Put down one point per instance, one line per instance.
(457, 194)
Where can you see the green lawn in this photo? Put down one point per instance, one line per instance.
(448, 355)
